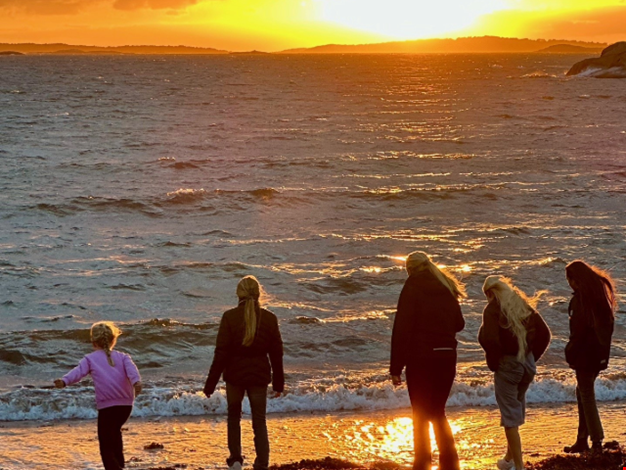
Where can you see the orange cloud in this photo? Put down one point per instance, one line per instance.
(44, 7)
(152, 4)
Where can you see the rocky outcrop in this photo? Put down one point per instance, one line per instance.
(610, 64)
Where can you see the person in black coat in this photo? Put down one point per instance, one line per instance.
(592, 320)
(249, 353)
(424, 341)
(514, 337)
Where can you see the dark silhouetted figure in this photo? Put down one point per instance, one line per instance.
(591, 322)
(249, 352)
(424, 340)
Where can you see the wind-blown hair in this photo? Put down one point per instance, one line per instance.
(596, 289)
(418, 261)
(249, 291)
(104, 335)
(514, 305)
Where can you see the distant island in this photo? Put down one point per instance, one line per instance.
(60, 49)
(569, 49)
(10, 53)
(484, 44)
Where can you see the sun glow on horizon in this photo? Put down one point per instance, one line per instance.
(408, 19)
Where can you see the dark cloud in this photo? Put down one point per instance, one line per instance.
(152, 4)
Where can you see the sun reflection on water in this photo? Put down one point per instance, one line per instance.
(392, 441)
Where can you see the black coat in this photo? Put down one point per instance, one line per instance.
(589, 345)
(257, 364)
(499, 341)
(426, 323)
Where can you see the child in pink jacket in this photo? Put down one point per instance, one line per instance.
(117, 381)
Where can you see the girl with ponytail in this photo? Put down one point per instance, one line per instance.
(424, 341)
(249, 354)
(591, 323)
(514, 337)
(116, 381)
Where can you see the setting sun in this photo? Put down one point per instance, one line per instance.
(407, 19)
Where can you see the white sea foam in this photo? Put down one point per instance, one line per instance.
(48, 405)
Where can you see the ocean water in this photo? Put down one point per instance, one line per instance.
(140, 189)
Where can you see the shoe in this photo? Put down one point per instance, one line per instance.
(578, 448)
(504, 464)
(596, 448)
(235, 466)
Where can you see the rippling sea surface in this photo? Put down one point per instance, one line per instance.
(140, 189)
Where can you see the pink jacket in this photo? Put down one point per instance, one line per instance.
(113, 384)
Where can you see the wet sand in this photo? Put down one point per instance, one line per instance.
(366, 439)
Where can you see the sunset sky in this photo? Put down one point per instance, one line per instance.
(272, 25)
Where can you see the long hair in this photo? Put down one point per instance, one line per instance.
(104, 335)
(596, 289)
(249, 291)
(418, 261)
(514, 305)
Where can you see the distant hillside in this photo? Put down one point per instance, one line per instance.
(460, 45)
(569, 49)
(72, 49)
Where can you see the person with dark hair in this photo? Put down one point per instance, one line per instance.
(424, 341)
(591, 321)
(249, 352)
(514, 337)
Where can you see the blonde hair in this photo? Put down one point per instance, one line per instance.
(514, 305)
(418, 261)
(104, 335)
(249, 291)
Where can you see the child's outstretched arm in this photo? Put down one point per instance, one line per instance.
(76, 374)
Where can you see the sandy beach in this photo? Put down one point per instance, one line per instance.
(364, 438)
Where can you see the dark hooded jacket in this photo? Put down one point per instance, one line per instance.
(257, 364)
(589, 345)
(498, 341)
(426, 323)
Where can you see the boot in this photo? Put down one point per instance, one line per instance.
(578, 448)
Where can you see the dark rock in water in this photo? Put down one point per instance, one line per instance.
(610, 64)
(10, 53)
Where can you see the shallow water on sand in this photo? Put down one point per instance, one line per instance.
(365, 437)
(139, 189)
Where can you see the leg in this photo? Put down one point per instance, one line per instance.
(583, 432)
(443, 373)
(234, 397)
(418, 383)
(586, 387)
(122, 413)
(110, 421)
(258, 407)
(514, 447)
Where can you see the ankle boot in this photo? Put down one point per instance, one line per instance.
(579, 447)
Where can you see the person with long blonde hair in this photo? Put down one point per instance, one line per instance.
(424, 341)
(591, 322)
(249, 353)
(514, 337)
(116, 381)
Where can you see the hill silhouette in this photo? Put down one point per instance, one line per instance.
(460, 45)
(59, 48)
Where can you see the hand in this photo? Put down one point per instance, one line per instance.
(59, 383)
(138, 388)
(396, 380)
(208, 392)
(276, 394)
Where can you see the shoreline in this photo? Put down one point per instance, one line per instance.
(364, 438)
